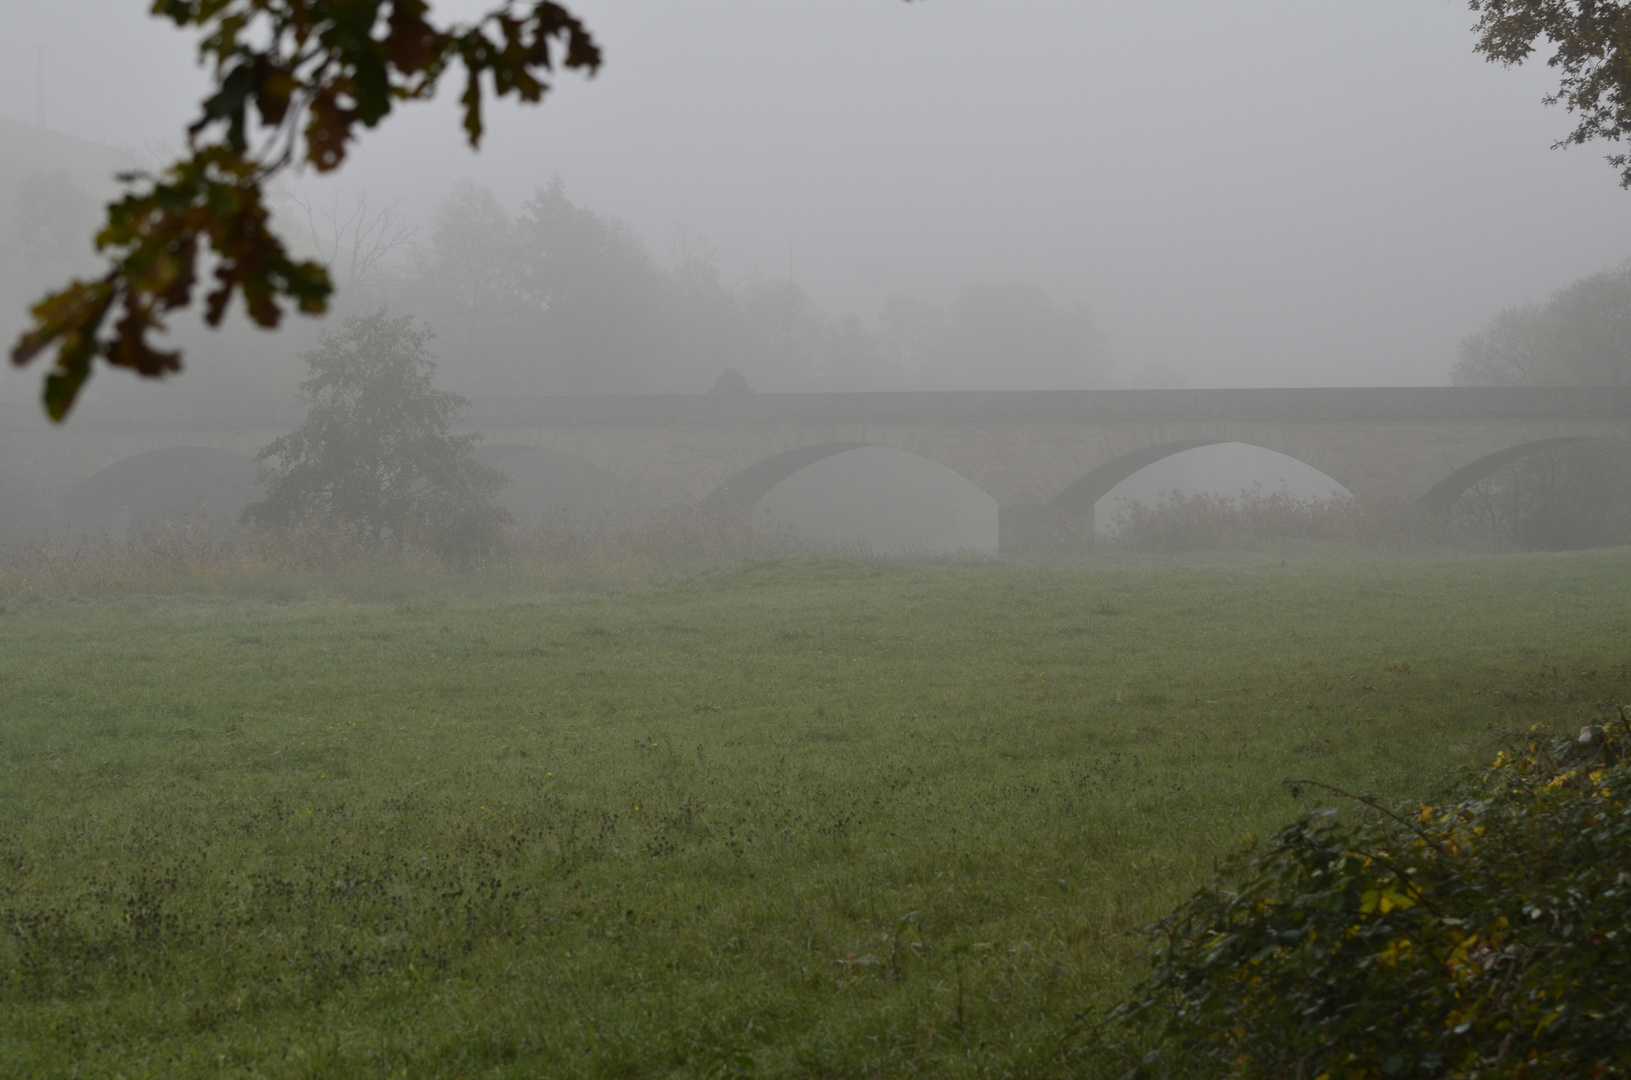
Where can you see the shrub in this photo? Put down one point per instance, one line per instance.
(1203, 521)
(1484, 934)
(376, 453)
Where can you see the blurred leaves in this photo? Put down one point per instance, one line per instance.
(1486, 933)
(1581, 336)
(311, 71)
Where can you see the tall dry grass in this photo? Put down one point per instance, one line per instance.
(629, 547)
(199, 551)
(655, 544)
(670, 536)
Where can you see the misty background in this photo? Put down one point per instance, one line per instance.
(872, 195)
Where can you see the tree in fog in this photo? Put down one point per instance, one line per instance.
(376, 452)
(50, 217)
(1580, 337)
(912, 333)
(994, 337)
(1556, 499)
(705, 326)
(1590, 43)
(991, 337)
(357, 243)
(293, 80)
(559, 298)
(600, 293)
(1577, 494)
(1016, 337)
(797, 346)
(467, 282)
(555, 299)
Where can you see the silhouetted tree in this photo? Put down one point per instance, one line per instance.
(796, 344)
(993, 337)
(1556, 499)
(1579, 337)
(598, 292)
(562, 299)
(1015, 337)
(731, 381)
(1591, 51)
(376, 451)
(1577, 494)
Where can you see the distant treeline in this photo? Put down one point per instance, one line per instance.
(557, 298)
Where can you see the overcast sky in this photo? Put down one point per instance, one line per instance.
(1250, 192)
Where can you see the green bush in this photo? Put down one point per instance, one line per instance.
(1256, 519)
(377, 455)
(1484, 934)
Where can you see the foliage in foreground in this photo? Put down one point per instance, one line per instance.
(1588, 40)
(309, 71)
(1488, 935)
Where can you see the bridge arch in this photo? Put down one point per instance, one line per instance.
(871, 495)
(1444, 493)
(1068, 517)
(200, 485)
(741, 491)
(1032, 452)
(1078, 499)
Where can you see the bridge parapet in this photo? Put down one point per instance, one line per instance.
(1044, 457)
(1065, 406)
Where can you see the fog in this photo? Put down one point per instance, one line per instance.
(1261, 193)
(781, 561)
(1256, 193)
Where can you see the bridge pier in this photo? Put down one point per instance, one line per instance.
(1028, 530)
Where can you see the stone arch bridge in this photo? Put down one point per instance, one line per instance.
(1044, 457)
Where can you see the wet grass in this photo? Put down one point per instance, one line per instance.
(796, 818)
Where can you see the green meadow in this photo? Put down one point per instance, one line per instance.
(790, 818)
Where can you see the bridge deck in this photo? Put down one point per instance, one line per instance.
(1301, 404)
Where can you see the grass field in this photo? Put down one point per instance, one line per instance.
(790, 818)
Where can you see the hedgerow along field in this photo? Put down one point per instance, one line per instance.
(785, 818)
